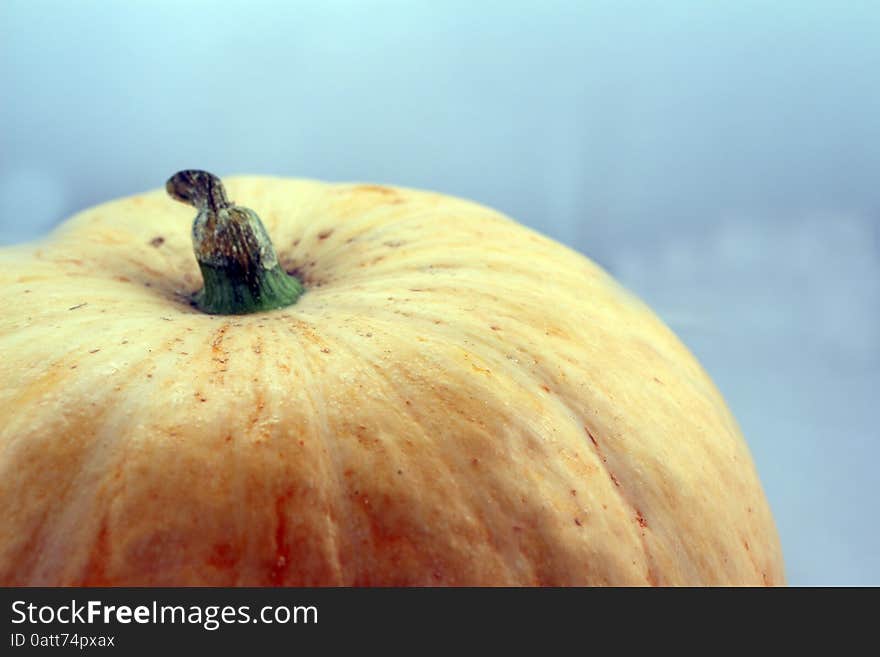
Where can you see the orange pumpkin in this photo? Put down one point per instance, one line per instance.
(453, 400)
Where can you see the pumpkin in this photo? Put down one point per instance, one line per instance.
(399, 388)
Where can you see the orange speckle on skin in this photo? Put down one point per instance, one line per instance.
(592, 437)
(95, 572)
(282, 548)
(391, 194)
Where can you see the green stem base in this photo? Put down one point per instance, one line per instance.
(230, 294)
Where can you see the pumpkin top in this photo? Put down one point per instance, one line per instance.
(455, 399)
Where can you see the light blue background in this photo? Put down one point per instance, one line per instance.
(722, 159)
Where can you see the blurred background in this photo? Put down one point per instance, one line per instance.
(721, 159)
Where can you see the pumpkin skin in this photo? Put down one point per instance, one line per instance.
(455, 400)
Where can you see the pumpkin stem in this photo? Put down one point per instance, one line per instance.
(239, 266)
